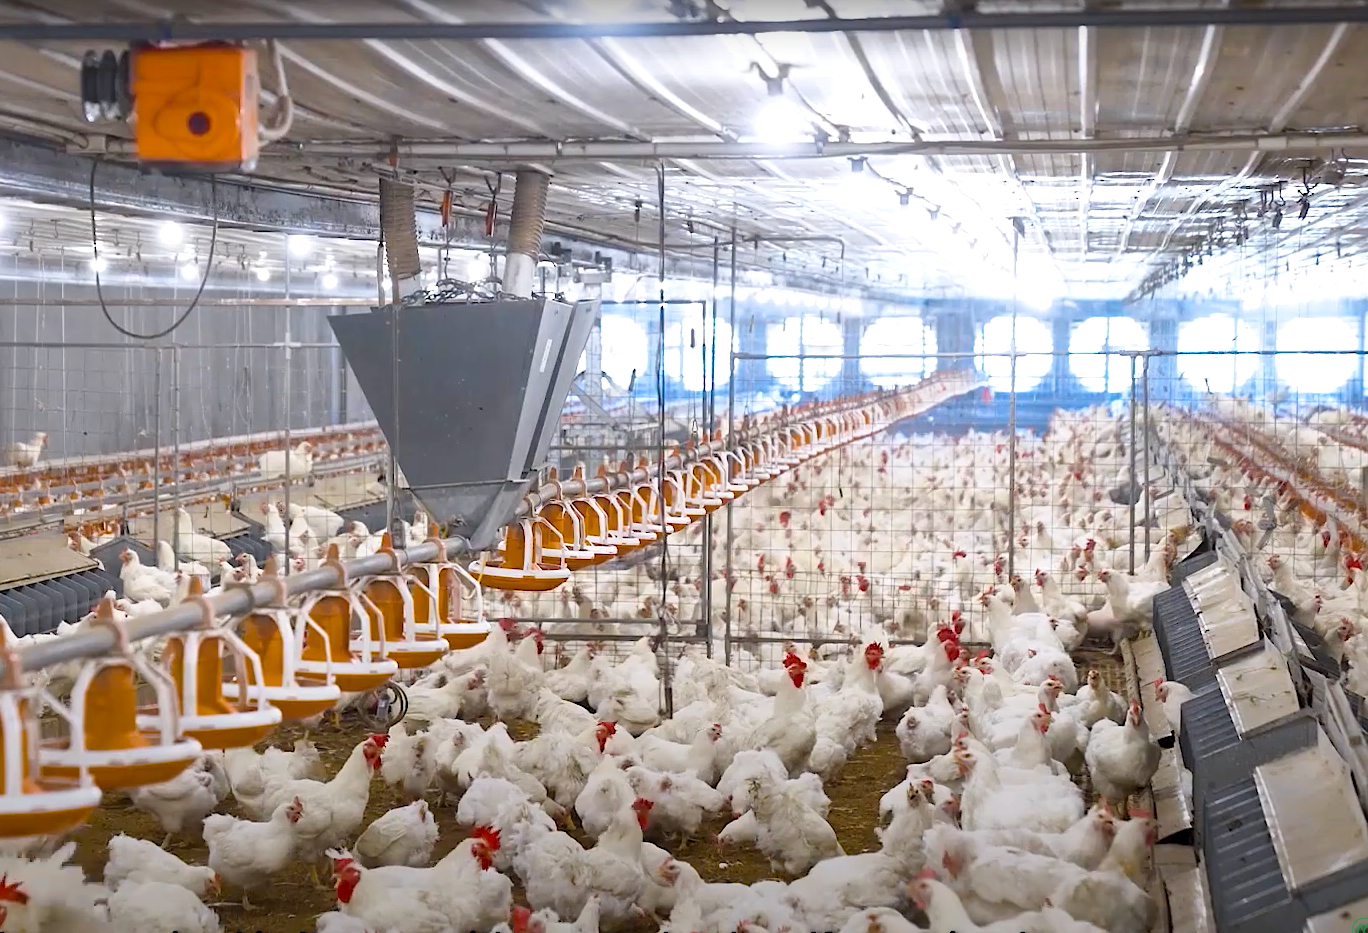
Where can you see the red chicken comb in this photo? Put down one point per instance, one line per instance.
(926, 874)
(985, 653)
(12, 891)
(379, 739)
(1140, 814)
(641, 804)
(791, 659)
(339, 863)
(946, 634)
(609, 727)
(486, 834)
(519, 918)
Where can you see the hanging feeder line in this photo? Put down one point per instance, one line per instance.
(1317, 500)
(238, 601)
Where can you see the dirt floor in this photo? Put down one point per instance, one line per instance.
(292, 902)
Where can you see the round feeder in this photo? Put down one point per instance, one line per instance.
(734, 468)
(651, 510)
(438, 601)
(576, 551)
(269, 632)
(713, 471)
(760, 467)
(29, 804)
(328, 652)
(465, 633)
(520, 567)
(597, 533)
(643, 528)
(392, 618)
(194, 660)
(700, 486)
(619, 523)
(105, 737)
(679, 511)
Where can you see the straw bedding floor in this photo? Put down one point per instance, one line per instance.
(293, 902)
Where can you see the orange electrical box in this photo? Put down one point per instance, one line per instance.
(195, 107)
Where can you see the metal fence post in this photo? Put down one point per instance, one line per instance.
(731, 441)
(1011, 463)
(1149, 504)
(1132, 477)
(175, 431)
(156, 448)
(285, 393)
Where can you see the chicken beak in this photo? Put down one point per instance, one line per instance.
(216, 886)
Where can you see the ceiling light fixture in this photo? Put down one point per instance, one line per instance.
(857, 164)
(190, 272)
(98, 264)
(263, 274)
(300, 245)
(329, 282)
(170, 233)
(781, 121)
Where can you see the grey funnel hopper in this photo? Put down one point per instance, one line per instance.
(480, 389)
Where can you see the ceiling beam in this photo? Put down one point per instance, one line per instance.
(180, 30)
(609, 150)
(1087, 126)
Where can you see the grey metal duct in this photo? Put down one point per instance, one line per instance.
(525, 232)
(398, 223)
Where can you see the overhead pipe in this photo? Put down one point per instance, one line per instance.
(526, 223)
(173, 30)
(238, 600)
(703, 149)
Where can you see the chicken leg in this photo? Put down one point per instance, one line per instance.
(246, 907)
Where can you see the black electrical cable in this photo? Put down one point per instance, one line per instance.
(95, 250)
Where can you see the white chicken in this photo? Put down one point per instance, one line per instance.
(333, 811)
(1121, 759)
(247, 854)
(182, 803)
(300, 462)
(157, 907)
(199, 547)
(557, 873)
(403, 836)
(137, 860)
(25, 454)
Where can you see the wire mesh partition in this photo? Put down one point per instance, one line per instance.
(1287, 469)
(92, 428)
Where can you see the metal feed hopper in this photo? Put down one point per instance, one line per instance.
(479, 386)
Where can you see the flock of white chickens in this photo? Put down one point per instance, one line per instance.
(893, 551)
(1313, 561)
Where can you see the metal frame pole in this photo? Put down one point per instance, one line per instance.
(156, 449)
(285, 393)
(666, 681)
(175, 432)
(731, 440)
(1149, 504)
(1132, 477)
(1011, 411)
